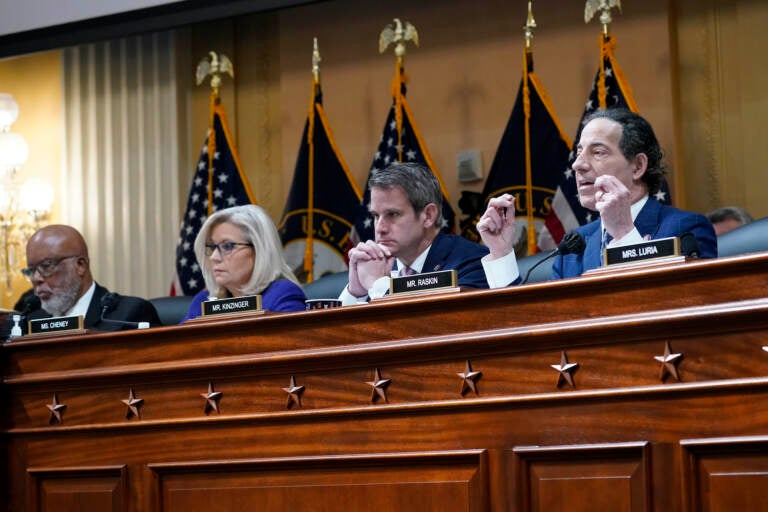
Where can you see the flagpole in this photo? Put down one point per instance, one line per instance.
(530, 24)
(399, 34)
(215, 67)
(606, 41)
(309, 249)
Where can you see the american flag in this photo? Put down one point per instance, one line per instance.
(218, 183)
(408, 147)
(609, 90)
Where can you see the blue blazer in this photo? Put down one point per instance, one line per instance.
(450, 252)
(655, 220)
(281, 295)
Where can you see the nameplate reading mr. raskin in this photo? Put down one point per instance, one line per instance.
(429, 281)
(56, 324)
(661, 248)
(232, 305)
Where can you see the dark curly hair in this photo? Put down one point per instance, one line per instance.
(637, 137)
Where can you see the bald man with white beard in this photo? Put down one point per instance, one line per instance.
(59, 268)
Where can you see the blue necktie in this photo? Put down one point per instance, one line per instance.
(606, 239)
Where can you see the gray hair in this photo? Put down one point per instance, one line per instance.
(637, 137)
(417, 181)
(740, 215)
(258, 229)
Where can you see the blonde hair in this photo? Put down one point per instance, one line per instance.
(258, 229)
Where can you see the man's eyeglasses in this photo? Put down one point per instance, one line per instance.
(47, 267)
(225, 248)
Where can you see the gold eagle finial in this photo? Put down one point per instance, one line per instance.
(604, 6)
(215, 67)
(316, 63)
(530, 24)
(398, 34)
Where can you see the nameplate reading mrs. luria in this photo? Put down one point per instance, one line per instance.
(56, 324)
(653, 249)
(423, 283)
(247, 303)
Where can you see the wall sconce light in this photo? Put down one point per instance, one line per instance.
(23, 206)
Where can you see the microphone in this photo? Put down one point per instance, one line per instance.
(108, 303)
(29, 304)
(689, 246)
(573, 243)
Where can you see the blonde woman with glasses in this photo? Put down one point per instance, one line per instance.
(239, 253)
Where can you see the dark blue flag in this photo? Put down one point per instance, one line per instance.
(218, 183)
(609, 90)
(322, 202)
(529, 160)
(400, 141)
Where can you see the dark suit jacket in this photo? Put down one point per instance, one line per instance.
(655, 220)
(450, 252)
(127, 309)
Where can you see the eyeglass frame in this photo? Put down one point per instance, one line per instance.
(221, 247)
(51, 263)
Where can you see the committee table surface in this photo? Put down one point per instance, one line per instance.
(643, 389)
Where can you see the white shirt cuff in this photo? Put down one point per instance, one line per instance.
(502, 271)
(633, 237)
(347, 299)
(379, 289)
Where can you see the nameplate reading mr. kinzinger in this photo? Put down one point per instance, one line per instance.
(422, 283)
(232, 305)
(56, 324)
(652, 249)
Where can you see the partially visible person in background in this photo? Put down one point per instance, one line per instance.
(239, 252)
(728, 218)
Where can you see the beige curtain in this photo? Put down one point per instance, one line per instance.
(121, 165)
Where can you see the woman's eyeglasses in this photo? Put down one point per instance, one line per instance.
(225, 248)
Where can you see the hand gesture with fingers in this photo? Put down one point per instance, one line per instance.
(497, 226)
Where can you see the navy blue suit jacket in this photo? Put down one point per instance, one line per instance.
(450, 252)
(654, 221)
(126, 309)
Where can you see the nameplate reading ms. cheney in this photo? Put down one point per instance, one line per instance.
(653, 249)
(423, 283)
(247, 303)
(56, 324)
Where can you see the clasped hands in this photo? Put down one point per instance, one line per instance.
(368, 261)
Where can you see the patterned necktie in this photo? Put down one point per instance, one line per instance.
(406, 271)
(606, 238)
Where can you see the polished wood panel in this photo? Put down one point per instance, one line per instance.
(727, 473)
(77, 489)
(374, 403)
(588, 477)
(426, 481)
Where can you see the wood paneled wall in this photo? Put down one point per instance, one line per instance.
(692, 66)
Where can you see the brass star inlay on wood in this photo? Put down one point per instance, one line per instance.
(565, 370)
(134, 405)
(669, 362)
(469, 379)
(294, 394)
(57, 410)
(379, 386)
(212, 398)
